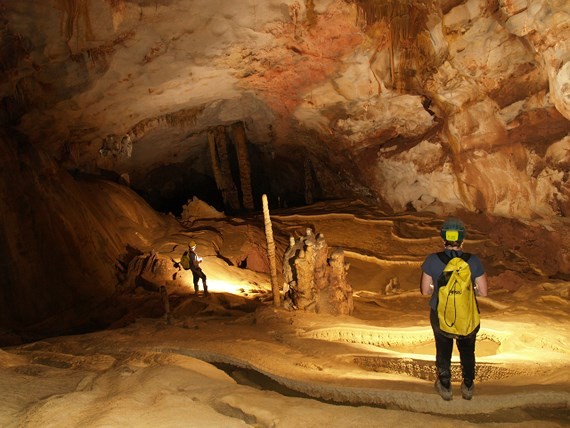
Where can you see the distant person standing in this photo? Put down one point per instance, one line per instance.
(191, 261)
(454, 314)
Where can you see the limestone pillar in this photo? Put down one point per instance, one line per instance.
(244, 165)
(341, 291)
(304, 265)
(271, 253)
(221, 167)
(308, 182)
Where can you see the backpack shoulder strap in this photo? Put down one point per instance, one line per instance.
(466, 257)
(445, 259)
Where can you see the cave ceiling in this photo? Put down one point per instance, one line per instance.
(422, 105)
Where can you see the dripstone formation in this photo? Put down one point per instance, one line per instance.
(314, 280)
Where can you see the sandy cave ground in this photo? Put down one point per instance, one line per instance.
(233, 360)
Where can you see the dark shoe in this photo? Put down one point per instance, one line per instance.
(445, 393)
(467, 393)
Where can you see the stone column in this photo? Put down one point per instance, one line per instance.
(244, 165)
(271, 253)
(321, 266)
(308, 182)
(341, 291)
(221, 167)
(288, 258)
(305, 267)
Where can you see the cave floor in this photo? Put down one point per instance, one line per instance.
(373, 368)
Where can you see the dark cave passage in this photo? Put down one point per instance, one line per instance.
(169, 187)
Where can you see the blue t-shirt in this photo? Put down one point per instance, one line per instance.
(433, 267)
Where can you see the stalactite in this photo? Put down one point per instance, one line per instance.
(221, 167)
(215, 161)
(309, 185)
(294, 9)
(244, 165)
(410, 45)
(73, 11)
(271, 252)
(311, 13)
(229, 185)
(182, 117)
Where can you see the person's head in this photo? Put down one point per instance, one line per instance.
(192, 245)
(453, 232)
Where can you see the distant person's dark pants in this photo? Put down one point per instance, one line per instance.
(444, 349)
(198, 274)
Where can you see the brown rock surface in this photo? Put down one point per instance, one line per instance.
(479, 88)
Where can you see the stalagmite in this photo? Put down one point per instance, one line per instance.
(221, 167)
(340, 292)
(316, 282)
(305, 269)
(215, 161)
(288, 258)
(320, 264)
(244, 165)
(271, 252)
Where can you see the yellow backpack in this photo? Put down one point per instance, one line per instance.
(185, 260)
(457, 307)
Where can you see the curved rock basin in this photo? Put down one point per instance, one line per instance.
(411, 351)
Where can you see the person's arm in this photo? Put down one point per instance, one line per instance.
(426, 284)
(481, 285)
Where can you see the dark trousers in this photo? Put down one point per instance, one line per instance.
(198, 274)
(444, 349)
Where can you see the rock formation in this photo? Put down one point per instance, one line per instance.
(65, 242)
(433, 105)
(315, 281)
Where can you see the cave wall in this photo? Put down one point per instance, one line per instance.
(62, 240)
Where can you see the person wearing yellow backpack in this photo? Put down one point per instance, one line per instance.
(453, 278)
